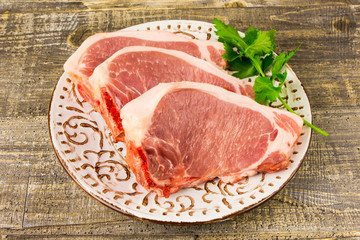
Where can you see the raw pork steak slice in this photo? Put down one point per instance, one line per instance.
(133, 70)
(183, 134)
(97, 48)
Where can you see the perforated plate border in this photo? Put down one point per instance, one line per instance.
(83, 145)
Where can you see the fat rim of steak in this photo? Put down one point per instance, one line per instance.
(98, 47)
(133, 70)
(181, 134)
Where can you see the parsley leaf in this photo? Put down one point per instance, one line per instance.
(250, 35)
(253, 50)
(265, 90)
(268, 60)
(280, 77)
(229, 34)
(282, 59)
(263, 44)
(253, 54)
(230, 53)
(243, 68)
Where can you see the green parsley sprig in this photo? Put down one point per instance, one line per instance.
(253, 55)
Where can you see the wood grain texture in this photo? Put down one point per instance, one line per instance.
(38, 199)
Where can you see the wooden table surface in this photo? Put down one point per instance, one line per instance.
(39, 200)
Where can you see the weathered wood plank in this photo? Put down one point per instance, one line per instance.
(66, 5)
(48, 40)
(37, 192)
(53, 199)
(13, 192)
(217, 236)
(245, 226)
(39, 200)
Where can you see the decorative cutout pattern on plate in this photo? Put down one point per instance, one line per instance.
(84, 147)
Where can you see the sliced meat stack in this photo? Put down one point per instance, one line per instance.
(97, 48)
(179, 134)
(133, 70)
(182, 134)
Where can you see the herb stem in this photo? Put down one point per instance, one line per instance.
(306, 122)
(257, 66)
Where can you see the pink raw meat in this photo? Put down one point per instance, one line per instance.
(133, 70)
(183, 134)
(97, 48)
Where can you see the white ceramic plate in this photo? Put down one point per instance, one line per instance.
(84, 147)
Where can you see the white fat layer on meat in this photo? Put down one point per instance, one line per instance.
(98, 79)
(137, 117)
(72, 64)
(100, 76)
(138, 124)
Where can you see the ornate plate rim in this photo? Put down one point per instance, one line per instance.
(116, 208)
